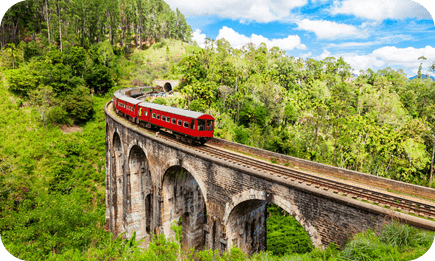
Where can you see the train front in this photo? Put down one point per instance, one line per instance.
(205, 128)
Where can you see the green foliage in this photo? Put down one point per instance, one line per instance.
(57, 115)
(53, 222)
(397, 234)
(22, 80)
(76, 57)
(86, 23)
(378, 123)
(160, 100)
(99, 79)
(79, 105)
(61, 78)
(284, 234)
(43, 98)
(364, 246)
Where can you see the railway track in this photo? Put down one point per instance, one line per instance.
(394, 202)
(371, 196)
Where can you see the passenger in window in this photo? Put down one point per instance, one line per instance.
(201, 125)
(209, 125)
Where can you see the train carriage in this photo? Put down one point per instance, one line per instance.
(126, 105)
(187, 125)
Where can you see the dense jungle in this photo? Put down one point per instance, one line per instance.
(61, 61)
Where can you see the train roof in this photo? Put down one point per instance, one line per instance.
(182, 112)
(126, 98)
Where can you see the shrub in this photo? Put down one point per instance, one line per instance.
(397, 234)
(57, 115)
(79, 105)
(160, 100)
(235, 254)
(424, 238)
(285, 234)
(22, 80)
(364, 246)
(99, 79)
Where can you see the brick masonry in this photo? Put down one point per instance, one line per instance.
(167, 85)
(151, 183)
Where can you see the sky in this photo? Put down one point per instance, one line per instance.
(367, 34)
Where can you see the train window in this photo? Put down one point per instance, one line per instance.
(209, 125)
(158, 116)
(146, 113)
(179, 122)
(168, 119)
(154, 115)
(185, 124)
(192, 124)
(174, 121)
(201, 125)
(163, 118)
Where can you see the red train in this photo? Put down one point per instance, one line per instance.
(189, 126)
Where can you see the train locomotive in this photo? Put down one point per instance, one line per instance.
(188, 126)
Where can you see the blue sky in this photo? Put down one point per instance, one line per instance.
(366, 33)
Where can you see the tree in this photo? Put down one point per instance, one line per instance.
(99, 78)
(79, 105)
(419, 75)
(43, 99)
(432, 67)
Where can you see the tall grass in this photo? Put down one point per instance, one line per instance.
(397, 234)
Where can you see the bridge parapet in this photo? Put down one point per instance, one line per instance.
(350, 175)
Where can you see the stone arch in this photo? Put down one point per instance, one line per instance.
(139, 144)
(182, 198)
(167, 87)
(138, 193)
(178, 162)
(116, 185)
(253, 202)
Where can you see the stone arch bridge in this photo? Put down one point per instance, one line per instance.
(152, 182)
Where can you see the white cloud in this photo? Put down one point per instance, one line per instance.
(306, 55)
(363, 62)
(380, 10)
(350, 45)
(327, 30)
(406, 57)
(357, 62)
(389, 56)
(239, 40)
(247, 10)
(389, 39)
(199, 38)
(325, 54)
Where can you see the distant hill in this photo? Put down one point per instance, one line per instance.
(424, 76)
